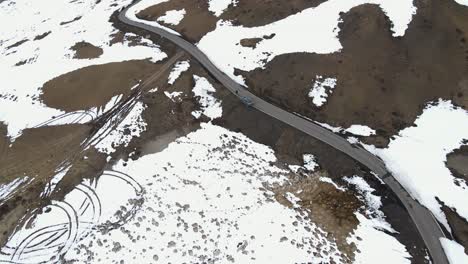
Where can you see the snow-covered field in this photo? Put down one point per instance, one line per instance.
(417, 156)
(51, 56)
(206, 197)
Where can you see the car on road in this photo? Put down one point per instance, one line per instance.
(246, 100)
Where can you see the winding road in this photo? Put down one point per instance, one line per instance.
(425, 222)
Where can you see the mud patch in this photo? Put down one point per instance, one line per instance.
(85, 50)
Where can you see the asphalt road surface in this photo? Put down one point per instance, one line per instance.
(425, 222)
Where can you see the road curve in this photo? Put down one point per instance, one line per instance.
(425, 222)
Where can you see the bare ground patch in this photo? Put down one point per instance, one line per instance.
(95, 85)
(85, 50)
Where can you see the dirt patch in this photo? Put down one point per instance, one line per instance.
(250, 13)
(331, 209)
(39, 150)
(95, 85)
(4, 141)
(16, 44)
(457, 162)
(85, 50)
(458, 225)
(384, 90)
(43, 35)
(70, 21)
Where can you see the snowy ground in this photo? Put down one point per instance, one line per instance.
(205, 197)
(417, 156)
(228, 214)
(51, 56)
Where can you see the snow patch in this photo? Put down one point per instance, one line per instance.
(219, 6)
(321, 89)
(360, 130)
(417, 156)
(310, 163)
(173, 96)
(462, 2)
(455, 252)
(172, 17)
(8, 189)
(210, 106)
(179, 68)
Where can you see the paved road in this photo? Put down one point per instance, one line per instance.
(425, 222)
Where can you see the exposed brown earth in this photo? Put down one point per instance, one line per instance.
(458, 226)
(16, 44)
(95, 85)
(43, 35)
(331, 209)
(250, 13)
(384, 90)
(70, 21)
(457, 162)
(85, 50)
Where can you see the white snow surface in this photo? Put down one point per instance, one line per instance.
(92, 204)
(210, 106)
(454, 251)
(360, 130)
(172, 17)
(416, 157)
(373, 228)
(133, 123)
(179, 68)
(310, 162)
(204, 197)
(173, 96)
(321, 89)
(314, 30)
(462, 2)
(219, 6)
(51, 56)
(8, 189)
